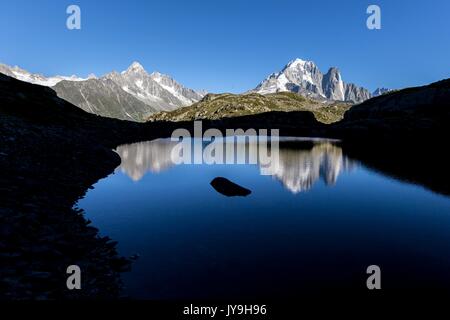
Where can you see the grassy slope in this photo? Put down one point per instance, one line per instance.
(217, 106)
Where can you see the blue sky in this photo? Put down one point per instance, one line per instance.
(231, 45)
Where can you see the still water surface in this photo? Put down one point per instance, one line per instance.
(314, 221)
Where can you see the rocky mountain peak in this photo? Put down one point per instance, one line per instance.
(156, 74)
(297, 63)
(380, 91)
(132, 94)
(135, 67)
(158, 77)
(332, 85)
(305, 78)
(334, 71)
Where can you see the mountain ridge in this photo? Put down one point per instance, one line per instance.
(37, 78)
(132, 94)
(305, 78)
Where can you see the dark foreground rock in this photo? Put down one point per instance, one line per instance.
(51, 152)
(229, 188)
(407, 113)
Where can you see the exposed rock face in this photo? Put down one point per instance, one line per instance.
(410, 112)
(332, 85)
(155, 89)
(23, 75)
(298, 76)
(185, 95)
(130, 95)
(104, 97)
(6, 70)
(380, 91)
(305, 78)
(355, 93)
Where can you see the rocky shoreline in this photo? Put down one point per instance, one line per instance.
(50, 154)
(44, 172)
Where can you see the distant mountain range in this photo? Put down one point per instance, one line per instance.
(380, 91)
(132, 94)
(23, 75)
(136, 95)
(305, 78)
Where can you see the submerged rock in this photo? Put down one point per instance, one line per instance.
(229, 188)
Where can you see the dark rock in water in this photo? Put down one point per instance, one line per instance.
(229, 188)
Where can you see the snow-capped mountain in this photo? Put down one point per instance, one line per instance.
(155, 89)
(39, 79)
(305, 78)
(380, 91)
(104, 97)
(130, 95)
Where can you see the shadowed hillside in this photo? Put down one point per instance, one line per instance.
(51, 152)
(409, 112)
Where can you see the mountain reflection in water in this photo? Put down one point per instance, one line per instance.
(301, 162)
(195, 243)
